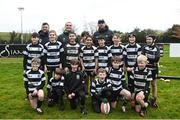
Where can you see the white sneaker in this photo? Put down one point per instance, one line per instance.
(146, 104)
(123, 109)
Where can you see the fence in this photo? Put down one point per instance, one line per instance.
(16, 50)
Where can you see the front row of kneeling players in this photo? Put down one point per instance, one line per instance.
(108, 87)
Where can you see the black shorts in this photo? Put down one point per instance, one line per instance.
(154, 74)
(115, 95)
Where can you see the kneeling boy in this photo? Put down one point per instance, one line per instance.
(34, 81)
(101, 90)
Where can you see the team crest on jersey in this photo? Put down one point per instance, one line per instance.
(77, 77)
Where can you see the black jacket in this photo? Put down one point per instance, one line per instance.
(44, 37)
(74, 82)
(63, 38)
(106, 33)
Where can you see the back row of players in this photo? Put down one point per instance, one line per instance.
(108, 59)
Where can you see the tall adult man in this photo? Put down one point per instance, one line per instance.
(43, 33)
(64, 37)
(103, 31)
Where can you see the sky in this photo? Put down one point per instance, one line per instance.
(122, 15)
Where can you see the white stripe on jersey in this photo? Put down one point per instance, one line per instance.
(29, 61)
(31, 89)
(102, 64)
(154, 50)
(114, 75)
(50, 47)
(103, 57)
(102, 50)
(89, 64)
(44, 78)
(53, 60)
(72, 51)
(131, 56)
(142, 84)
(131, 63)
(34, 55)
(34, 49)
(116, 50)
(34, 76)
(53, 65)
(35, 83)
(25, 52)
(115, 82)
(88, 51)
(93, 91)
(151, 56)
(28, 67)
(25, 79)
(116, 88)
(88, 58)
(137, 76)
(71, 57)
(52, 53)
(131, 49)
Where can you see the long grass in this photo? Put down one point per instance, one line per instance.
(13, 105)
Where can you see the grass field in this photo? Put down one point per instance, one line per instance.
(13, 105)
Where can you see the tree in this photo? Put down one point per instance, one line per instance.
(13, 36)
(172, 35)
(175, 32)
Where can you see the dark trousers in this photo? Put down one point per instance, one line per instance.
(57, 96)
(97, 100)
(78, 98)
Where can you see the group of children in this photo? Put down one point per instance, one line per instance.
(71, 67)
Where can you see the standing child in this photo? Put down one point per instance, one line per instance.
(89, 60)
(75, 87)
(142, 77)
(131, 51)
(117, 49)
(53, 54)
(71, 51)
(56, 89)
(117, 79)
(153, 54)
(34, 49)
(101, 90)
(34, 81)
(104, 55)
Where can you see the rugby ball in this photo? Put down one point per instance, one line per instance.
(105, 108)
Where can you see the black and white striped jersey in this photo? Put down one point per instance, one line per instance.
(104, 57)
(35, 80)
(116, 78)
(118, 51)
(131, 53)
(32, 51)
(97, 87)
(89, 55)
(71, 51)
(141, 78)
(153, 55)
(56, 84)
(53, 54)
